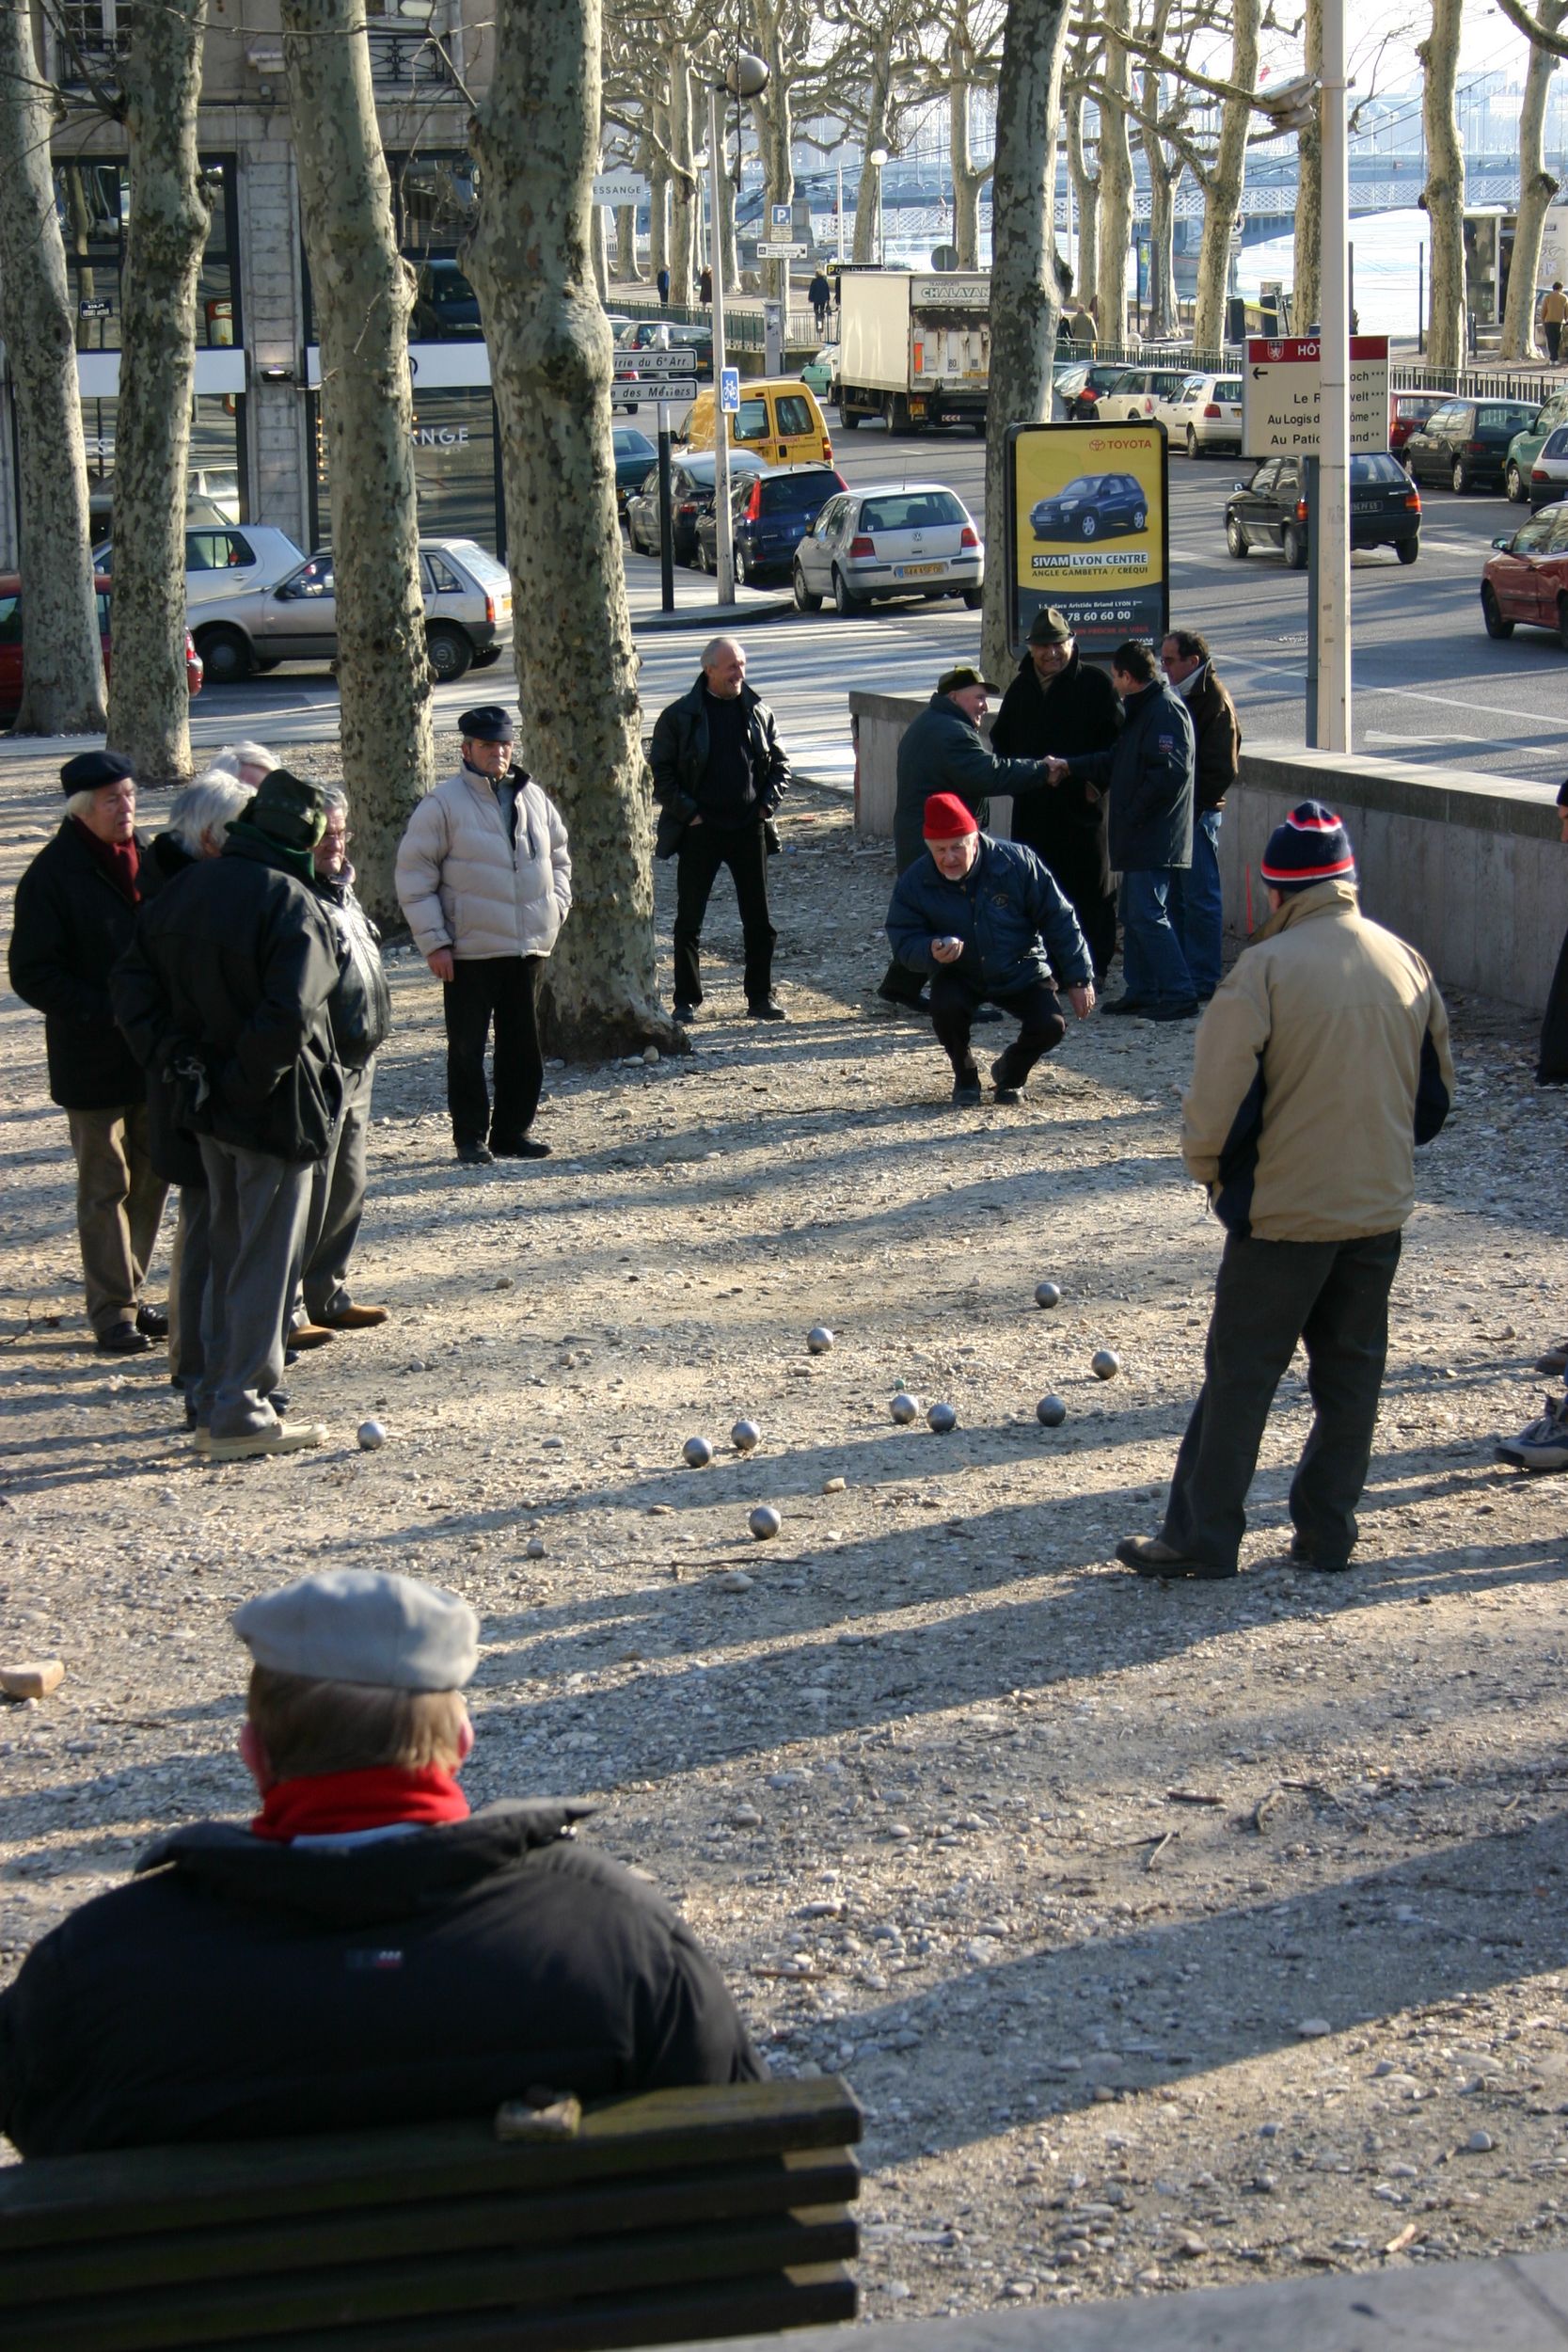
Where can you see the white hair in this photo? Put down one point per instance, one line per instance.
(336, 798)
(234, 756)
(204, 808)
(81, 804)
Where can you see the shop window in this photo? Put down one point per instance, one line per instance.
(93, 202)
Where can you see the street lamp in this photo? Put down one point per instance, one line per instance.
(745, 77)
(877, 159)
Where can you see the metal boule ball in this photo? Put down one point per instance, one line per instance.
(1105, 1363)
(820, 1338)
(942, 1417)
(1047, 1294)
(1050, 1412)
(763, 1523)
(905, 1408)
(745, 1437)
(371, 1435)
(697, 1453)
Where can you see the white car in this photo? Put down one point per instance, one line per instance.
(221, 559)
(1139, 392)
(1205, 414)
(895, 539)
(1548, 475)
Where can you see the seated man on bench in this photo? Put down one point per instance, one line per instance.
(366, 1951)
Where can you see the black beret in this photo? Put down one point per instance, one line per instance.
(487, 723)
(90, 771)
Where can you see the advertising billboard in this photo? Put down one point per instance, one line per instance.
(1089, 531)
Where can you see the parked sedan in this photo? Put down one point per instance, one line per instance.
(1526, 447)
(900, 539)
(1408, 412)
(1204, 414)
(220, 561)
(771, 514)
(1525, 578)
(11, 633)
(467, 602)
(1465, 443)
(690, 496)
(1134, 399)
(1270, 510)
(634, 455)
(1091, 506)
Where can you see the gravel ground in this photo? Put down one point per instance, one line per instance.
(1170, 1935)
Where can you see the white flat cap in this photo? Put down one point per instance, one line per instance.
(356, 1624)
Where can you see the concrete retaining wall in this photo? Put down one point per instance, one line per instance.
(1468, 868)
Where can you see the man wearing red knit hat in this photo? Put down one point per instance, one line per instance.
(987, 922)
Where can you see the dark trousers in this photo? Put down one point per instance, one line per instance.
(1076, 856)
(1551, 1069)
(954, 1002)
(704, 849)
(502, 988)
(1333, 1296)
(1554, 340)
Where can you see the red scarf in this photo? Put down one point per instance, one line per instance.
(333, 1804)
(119, 860)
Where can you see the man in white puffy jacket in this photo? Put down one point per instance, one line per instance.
(485, 879)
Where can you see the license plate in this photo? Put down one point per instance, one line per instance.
(915, 571)
(505, 604)
(1366, 506)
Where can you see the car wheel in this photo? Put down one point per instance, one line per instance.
(1140, 517)
(702, 554)
(1236, 538)
(1461, 475)
(806, 599)
(1295, 547)
(845, 604)
(226, 655)
(1407, 549)
(1492, 612)
(1515, 485)
(1089, 527)
(450, 651)
(1194, 447)
(739, 560)
(1563, 621)
(975, 598)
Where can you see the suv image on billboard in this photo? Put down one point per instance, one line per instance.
(1090, 507)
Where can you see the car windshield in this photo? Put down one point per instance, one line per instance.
(1510, 420)
(798, 493)
(481, 566)
(1083, 486)
(1378, 469)
(918, 510)
(630, 443)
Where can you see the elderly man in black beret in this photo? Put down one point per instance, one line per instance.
(366, 1948)
(225, 990)
(75, 913)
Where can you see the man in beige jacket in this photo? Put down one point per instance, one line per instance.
(484, 880)
(1321, 1064)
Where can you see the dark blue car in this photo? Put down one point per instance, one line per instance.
(772, 514)
(1091, 507)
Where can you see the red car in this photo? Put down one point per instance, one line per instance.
(1526, 576)
(1408, 412)
(10, 641)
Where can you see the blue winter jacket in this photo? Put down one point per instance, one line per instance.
(1016, 926)
(1148, 773)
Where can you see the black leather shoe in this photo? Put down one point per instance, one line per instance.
(1301, 1558)
(1008, 1088)
(685, 1014)
(765, 1009)
(152, 1323)
(124, 1340)
(1189, 1011)
(474, 1156)
(1146, 1555)
(920, 1006)
(966, 1090)
(519, 1148)
(1122, 1004)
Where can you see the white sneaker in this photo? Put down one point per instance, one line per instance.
(284, 1437)
(1544, 1446)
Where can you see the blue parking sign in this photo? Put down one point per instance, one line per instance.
(729, 391)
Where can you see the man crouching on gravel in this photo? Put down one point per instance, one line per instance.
(226, 1994)
(987, 921)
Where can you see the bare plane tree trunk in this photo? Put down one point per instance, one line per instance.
(536, 137)
(682, 185)
(626, 268)
(1310, 185)
(63, 666)
(1085, 204)
(1025, 291)
(601, 254)
(659, 220)
(149, 698)
(1116, 180)
(773, 113)
(1444, 194)
(1222, 185)
(364, 292)
(967, 180)
(1537, 188)
(1162, 241)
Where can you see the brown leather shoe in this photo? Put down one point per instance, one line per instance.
(309, 1335)
(354, 1319)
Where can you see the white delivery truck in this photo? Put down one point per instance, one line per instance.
(914, 347)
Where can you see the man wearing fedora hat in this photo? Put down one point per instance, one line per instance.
(75, 916)
(485, 879)
(1060, 702)
(367, 1950)
(944, 751)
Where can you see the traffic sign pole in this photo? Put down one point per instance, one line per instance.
(1329, 526)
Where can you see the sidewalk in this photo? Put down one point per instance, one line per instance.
(697, 603)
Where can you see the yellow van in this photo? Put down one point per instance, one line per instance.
(779, 421)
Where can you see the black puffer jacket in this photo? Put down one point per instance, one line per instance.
(1149, 775)
(239, 1988)
(225, 990)
(70, 928)
(678, 757)
(173, 1150)
(360, 1007)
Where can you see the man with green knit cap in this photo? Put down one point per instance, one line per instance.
(224, 996)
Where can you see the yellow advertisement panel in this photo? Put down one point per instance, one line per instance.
(1089, 529)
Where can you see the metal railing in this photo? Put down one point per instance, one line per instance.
(406, 58)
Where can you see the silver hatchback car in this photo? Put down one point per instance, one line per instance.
(900, 539)
(467, 602)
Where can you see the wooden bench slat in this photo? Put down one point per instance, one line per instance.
(66, 2198)
(587, 2210)
(282, 2307)
(807, 2296)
